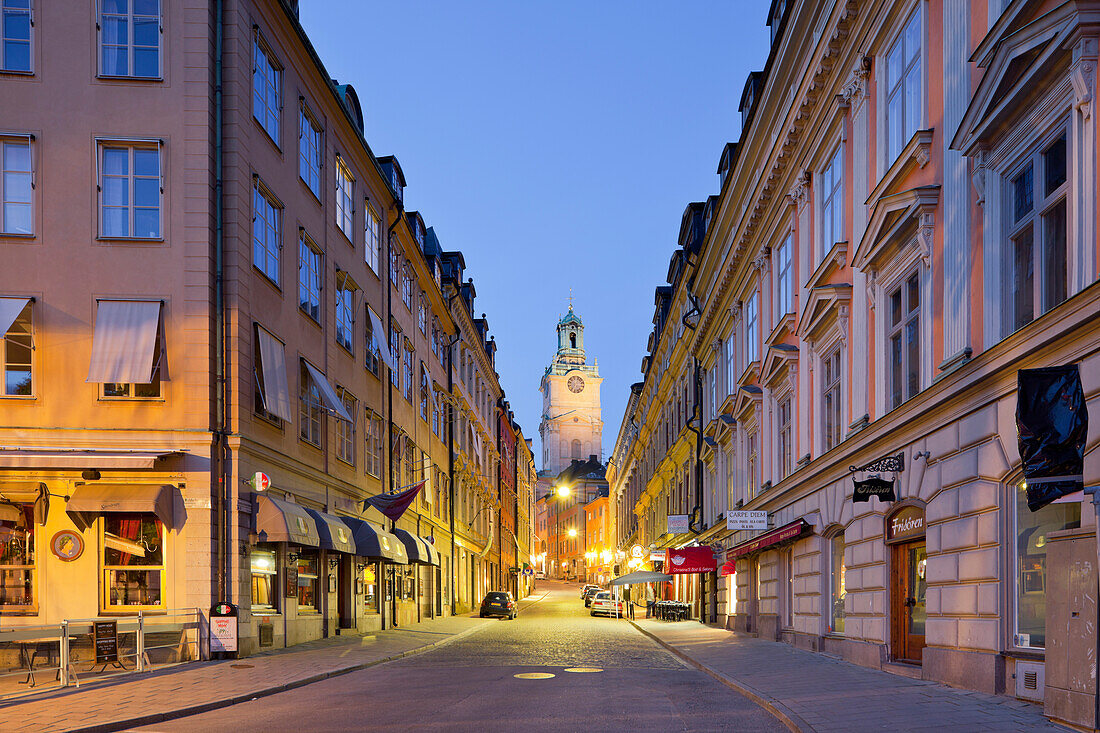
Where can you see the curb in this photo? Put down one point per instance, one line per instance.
(786, 716)
(151, 718)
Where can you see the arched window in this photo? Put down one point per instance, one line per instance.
(576, 449)
(572, 340)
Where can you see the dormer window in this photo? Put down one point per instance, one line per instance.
(775, 23)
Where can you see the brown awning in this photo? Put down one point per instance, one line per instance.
(787, 532)
(63, 458)
(91, 500)
(334, 534)
(278, 520)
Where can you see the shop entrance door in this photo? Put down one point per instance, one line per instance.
(345, 592)
(908, 585)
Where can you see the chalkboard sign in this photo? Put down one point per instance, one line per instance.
(106, 641)
(292, 582)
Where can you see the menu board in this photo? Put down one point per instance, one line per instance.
(106, 641)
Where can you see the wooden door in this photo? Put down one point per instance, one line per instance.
(908, 601)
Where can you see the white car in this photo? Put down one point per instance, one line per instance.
(603, 603)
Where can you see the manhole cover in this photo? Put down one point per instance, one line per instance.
(242, 666)
(533, 676)
(583, 669)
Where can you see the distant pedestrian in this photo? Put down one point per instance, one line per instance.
(629, 605)
(649, 600)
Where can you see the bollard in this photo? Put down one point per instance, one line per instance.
(139, 651)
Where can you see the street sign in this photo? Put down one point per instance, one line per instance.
(261, 481)
(746, 520)
(678, 523)
(528, 571)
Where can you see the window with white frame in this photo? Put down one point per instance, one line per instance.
(731, 363)
(15, 356)
(309, 406)
(372, 446)
(395, 351)
(345, 211)
(345, 309)
(783, 437)
(903, 337)
(266, 88)
(407, 376)
(1036, 253)
(831, 182)
(129, 38)
(15, 35)
(752, 330)
(130, 190)
(406, 287)
(783, 279)
(16, 186)
(832, 431)
(309, 277)
(345, 430)
(422, 314)
(903, 87)
(265, 232)
(395, 268)
(309, 150)
(752, 461)
(373, 348)
(372, 236)
(425, 394)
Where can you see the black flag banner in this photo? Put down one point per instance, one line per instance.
(1052, 422)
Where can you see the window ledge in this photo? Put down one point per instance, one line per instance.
(131, 399)
(24, 397)
(129, 240)
(16, 72)
(17, 235)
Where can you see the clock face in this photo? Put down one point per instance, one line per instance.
(576, 384)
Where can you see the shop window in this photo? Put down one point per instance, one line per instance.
(370, 575)
(15, 356)
(837, 589)
(17, 557)
(132, 560)
(309, 582)
(1030, 594)
(265, 586)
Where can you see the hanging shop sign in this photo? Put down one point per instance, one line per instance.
(223, 628)
(678, 523)
(728, 568)
(787, 532)
(875, 485)
(745, 519)
(690, 560)
(907, 523)
(637, 552)
(1052, 421)
(67, 545)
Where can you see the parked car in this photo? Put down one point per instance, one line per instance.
(588, 595)
(603, 603)
(539, 575)
(498, 603)
(586, 587)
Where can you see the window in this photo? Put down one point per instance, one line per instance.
(373, 349)
(345, 431)
(752, 335)
(150, 390)
(370, 587)
(15, 357)
(344, 317)
(1037, 221)
(407, 366)
(832, 203)
(787, 558)
(783, 278)
(372, 446)
(1030, 597)
(395, 268)
(309, 582)
(406, 287)
(422, 315)
(752, 461)
(903, 88)
(831, 428)
(15, 35)
(265, 588)
(265, 233)
(129, 38)
(904, 339)
(372, 235)
(309, 398)
(345, 211)
(425, 393)
(783, 427)
(266, 89)
(309, 151)
(395, 350)
(309, 278)
(259, 402)
(17, 557)
(731, 364)
(130, 191)
(837, 590)
(132, 560)
(16, 187)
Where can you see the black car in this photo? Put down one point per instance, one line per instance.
(498, 603)
(589, 594)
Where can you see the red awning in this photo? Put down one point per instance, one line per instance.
(730, 568)
(690, 560)
(781, 534)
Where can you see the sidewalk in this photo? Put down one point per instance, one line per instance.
(814, 692)
(141, 699)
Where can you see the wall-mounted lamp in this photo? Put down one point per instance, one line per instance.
(292, 557)
(333, 562)
(360, 566)
(90, 474)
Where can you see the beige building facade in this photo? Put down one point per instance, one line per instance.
(907, 220)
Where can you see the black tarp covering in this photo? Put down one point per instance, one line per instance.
(1052, 421)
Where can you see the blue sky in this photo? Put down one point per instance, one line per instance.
(556, 144)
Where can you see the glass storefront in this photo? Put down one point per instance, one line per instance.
(17, 559)
(309, 584)
(264, 581)
(837, 590)
(133, 560)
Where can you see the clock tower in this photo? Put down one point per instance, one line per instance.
(571, 426)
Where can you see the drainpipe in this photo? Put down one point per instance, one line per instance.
(451, 447)
(389, 395)
(697, 523)
(220, 446)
